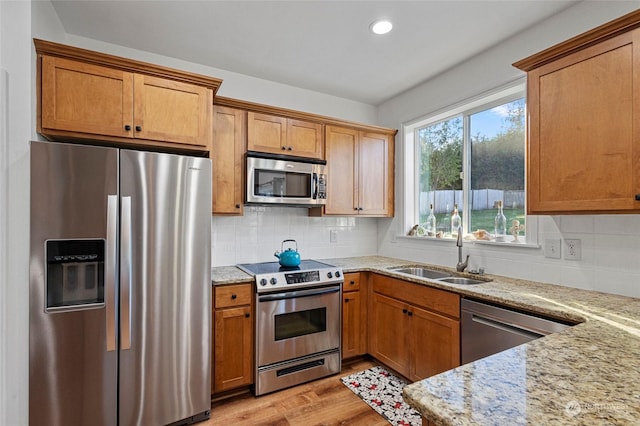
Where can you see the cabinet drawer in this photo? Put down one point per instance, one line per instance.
(233, 295)
(351, 282)
(431, 298)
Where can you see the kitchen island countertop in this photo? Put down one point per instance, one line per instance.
(586, 375)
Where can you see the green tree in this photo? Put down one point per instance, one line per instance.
(441, 155)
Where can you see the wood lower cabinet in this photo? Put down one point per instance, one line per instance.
(413, 329)
(583, 145)
(89, 96)
(233, 344)
(281, 135)
(360, 172)
(227, 154)
(354, 316)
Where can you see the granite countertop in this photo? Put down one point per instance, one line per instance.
(585, 375)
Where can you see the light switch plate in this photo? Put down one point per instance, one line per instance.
(333, 236)
(552, 248)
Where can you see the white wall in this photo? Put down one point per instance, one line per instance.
(610, 244)
(255, 236)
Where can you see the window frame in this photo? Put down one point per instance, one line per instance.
(487, 100)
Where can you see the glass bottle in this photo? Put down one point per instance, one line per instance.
(455, 221)
(430, 225)
(500, 224)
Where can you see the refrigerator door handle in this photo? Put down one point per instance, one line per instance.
(111, 270)
(125, 274)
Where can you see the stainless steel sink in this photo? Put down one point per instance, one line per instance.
(434, 274)
(422, 272)
(460, 280)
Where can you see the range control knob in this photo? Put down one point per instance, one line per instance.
(337, 274)
(274, 281)
(263, 282)
(329, 275)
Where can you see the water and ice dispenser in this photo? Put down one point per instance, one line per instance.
(75, 274)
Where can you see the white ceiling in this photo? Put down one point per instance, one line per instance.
(324, 46)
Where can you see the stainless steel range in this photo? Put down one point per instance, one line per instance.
(298, 324)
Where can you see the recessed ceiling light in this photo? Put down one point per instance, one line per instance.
(381, 27)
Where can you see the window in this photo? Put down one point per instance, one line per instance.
(471, 157)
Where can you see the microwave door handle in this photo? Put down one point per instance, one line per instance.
(315, 186)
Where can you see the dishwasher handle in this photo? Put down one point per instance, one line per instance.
(509, 328)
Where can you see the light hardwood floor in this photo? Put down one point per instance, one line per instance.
(322, 402)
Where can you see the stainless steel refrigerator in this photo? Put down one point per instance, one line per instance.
(120, 287)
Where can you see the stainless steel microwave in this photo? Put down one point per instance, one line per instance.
(277, 179)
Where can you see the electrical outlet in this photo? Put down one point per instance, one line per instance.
(573, 249)
(333, 236)
(552, 248)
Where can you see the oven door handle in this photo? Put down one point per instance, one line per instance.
(298, 293)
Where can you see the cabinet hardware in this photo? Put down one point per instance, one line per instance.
(404, 311)
(138, 128)
(127, 127)
(234, 296)
(237, 206)
(290, 148)
(284, 147)
(247, 315)
(352, 282)
(637, 197)
(346, 300)
(410, 313)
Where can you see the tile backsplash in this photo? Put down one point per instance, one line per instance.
(256, 235)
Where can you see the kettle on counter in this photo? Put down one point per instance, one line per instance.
(289, 258)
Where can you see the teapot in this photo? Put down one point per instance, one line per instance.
(289, 258)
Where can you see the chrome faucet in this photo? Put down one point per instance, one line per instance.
(460, 266)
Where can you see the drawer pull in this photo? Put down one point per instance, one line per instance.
(247, 315)
(637, 197)
(234, 296)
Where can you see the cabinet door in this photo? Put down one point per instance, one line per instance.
(389, 326)
(584, 130)
(342, 184)
(266, 133)
(233, 352)
(375, 168)
(305, 139)
(172, 111)
(351, 324)
(79, 97)
(435, 344)
(227, 154)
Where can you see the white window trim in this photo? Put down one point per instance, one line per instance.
(506, 93)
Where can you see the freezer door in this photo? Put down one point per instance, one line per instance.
(72, 314)
(165, 288)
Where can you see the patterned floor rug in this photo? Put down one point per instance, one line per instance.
(382, 391)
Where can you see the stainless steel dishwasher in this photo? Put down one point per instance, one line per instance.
(488, 329)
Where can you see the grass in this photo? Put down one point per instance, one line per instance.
(480, 219)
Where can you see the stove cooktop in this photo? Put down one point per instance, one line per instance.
(271, 276)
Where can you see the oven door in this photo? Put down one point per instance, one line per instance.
(297, 323)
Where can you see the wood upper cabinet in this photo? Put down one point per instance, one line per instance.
(227, 154)
(414, 329)
(360, 172)
(354, 317)
(171, 111)
(89, 96)
(583, 146)
(232, 337)
(280, 135)
(86, 98)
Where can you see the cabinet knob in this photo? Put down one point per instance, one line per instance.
(355, 208)
(346, 300)
(289, 148)
(637, 197)
(138, 128)
(284, 147)
(247, 315)
(127, 127)
(410, 313)
(352, 282)
(237, 206)
(404, 311)
(234, 296)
